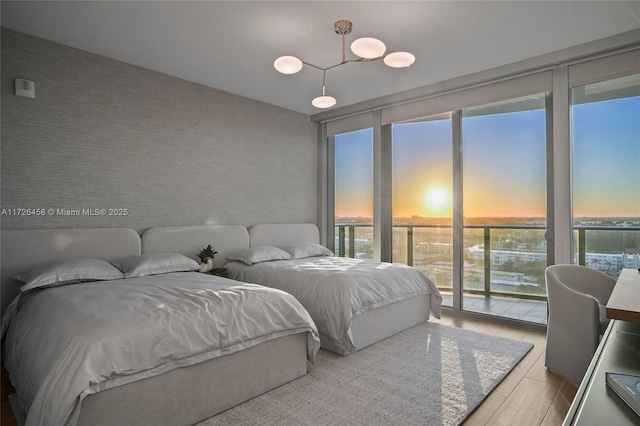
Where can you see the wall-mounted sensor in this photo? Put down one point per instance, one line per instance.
(26, 88)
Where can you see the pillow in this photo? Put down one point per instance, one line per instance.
(301, 250)
(152, 264)
(259, 254)
(67, 271)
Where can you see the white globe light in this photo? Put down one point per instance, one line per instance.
(323, 102)
(368, 47)
(288, 64)
(399, 59)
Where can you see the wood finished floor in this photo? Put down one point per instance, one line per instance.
(529, 395)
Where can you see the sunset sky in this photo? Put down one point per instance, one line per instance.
(504, 167)
(607, 158)
(422, 171)
(504, 170)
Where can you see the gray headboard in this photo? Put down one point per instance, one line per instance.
(22, 248)
(189, 240)
(283, 234)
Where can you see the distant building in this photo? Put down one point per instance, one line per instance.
(600, 261)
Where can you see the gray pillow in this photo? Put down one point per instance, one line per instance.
(251, 255)
(302, 250)
(67, 271)
(152, 264)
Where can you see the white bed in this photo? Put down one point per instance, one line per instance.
(173, 393)
(353, 302)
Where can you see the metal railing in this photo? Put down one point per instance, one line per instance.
(347, 247)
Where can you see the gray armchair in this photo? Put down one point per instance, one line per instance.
(577, 298)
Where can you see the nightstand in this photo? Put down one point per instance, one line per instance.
(221, 272)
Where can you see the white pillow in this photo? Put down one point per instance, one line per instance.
(302, 250)
(251, 255)
(66, 271)
(152, 264)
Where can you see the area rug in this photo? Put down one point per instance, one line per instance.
(431, 374)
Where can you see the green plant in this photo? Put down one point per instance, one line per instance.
(207, 253)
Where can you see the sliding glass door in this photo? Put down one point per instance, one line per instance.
(482, 186)
(605, 126)
(504, 208)
(353, 203)
(422, 198)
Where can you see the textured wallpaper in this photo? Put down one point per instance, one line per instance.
(105, 143)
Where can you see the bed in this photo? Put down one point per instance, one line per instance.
(131, 342)
(354, 302)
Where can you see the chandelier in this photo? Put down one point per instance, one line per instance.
(367, 49)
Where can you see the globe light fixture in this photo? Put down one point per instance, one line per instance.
(367, 49)
(288, 64)
(399, 59)
(323, 101)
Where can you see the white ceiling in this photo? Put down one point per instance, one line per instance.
(231, 45)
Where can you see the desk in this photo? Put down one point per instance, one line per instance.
(619, 352)
(624, 303)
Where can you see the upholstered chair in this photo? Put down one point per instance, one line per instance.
(577, 298)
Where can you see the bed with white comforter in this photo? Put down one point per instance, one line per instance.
(100, 333)
(71, 341)
(334, 290)
(353, 302)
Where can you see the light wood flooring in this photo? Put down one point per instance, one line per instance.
(529, 395)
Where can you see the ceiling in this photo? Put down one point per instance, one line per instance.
(231, 45)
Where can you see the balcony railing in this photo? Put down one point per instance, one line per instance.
(347, 235)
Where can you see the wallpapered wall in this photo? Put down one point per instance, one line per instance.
(103, 134)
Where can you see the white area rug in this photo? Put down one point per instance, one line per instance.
(431, 374)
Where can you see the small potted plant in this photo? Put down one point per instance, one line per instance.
(206, 256)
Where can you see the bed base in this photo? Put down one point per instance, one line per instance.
(389, 320)
(189, 395)
(380, 323)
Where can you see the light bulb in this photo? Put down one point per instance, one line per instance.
(288, 64)
(399, 59)
(368, 48)
(323, 101)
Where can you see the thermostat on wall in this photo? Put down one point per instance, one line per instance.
(26, 88)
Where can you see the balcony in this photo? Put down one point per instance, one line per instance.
(503, 271)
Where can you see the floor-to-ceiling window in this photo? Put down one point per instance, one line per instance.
(504, 206)
(353, 168)
(537, 162)
(605, 126)
(422, 198)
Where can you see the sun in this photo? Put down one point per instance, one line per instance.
(437, 198)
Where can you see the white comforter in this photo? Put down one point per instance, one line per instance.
(65, 343)
(336, 289)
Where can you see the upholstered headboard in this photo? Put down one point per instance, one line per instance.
(25, 247)
(189, 240)
(22, 248)
(283, 234)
